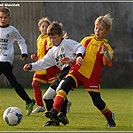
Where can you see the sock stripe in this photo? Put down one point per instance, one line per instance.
(62, 93)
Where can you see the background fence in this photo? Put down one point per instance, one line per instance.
(78, 20)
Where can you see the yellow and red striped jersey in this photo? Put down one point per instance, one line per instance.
(93, 58)
(43, 45)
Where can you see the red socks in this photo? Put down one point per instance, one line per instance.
(59, 99)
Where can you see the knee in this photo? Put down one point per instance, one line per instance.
(66, 86)
(45, 96)
(35, 84)
(49, 94)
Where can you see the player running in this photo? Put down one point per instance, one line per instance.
(8, 35)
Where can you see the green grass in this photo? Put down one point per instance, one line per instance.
(83, 116)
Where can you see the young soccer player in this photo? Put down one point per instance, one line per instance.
(98, 53)
(46, 75)
(9, 34)
(62, 47)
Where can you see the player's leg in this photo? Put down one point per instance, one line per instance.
(38, 96)
(50, 94)
(19, 88)
(69, 104)
(53, 80)
(101, 105)
(60, 98)
(62, 117)
(63, 111)
(48, 99)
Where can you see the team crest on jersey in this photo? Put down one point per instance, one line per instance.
(62, 49)
(7, 35)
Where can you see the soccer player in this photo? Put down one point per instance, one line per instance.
(62, 47)
(47, 75)
(98, 54)
(9, 34)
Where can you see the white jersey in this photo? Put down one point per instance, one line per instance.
(67, 48)
(8, 35)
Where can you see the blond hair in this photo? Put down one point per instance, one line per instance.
(105, 20)
(44, 19)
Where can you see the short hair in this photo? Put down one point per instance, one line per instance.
(56, 28)
(5, 10)
(44, 19)
(105, 20)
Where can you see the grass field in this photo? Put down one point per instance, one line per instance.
(83, 116)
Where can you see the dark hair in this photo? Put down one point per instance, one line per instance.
(55, 28)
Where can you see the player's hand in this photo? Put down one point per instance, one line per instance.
(79, 60)
(32, 56)
(27, 67)
(65, 60)
(24, 57)
(104, 48)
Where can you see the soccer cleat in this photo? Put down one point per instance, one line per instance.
(39, 109)
(29, 106)
(52, 114)
(63, 119)
(68, 106)
(110, 121)
(51, 123)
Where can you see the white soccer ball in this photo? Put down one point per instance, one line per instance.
(12, 116)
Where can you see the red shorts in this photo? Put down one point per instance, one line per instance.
(81, 80)
(50, 77)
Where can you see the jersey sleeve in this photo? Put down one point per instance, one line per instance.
(46, 62)
(77, 47)
(110, 50)
(83, 41)
(20, 40)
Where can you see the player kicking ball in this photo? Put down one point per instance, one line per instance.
(98, 54)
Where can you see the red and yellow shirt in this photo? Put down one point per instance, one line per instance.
(43, 45)
(93, 58)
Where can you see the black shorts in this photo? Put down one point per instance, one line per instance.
(5, 67)
(62, 75)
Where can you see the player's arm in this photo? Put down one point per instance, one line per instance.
(33, 56)
(24, 57)
(80, 50)
(21, 42)
(27, 67)
(108, 55)
(38, 65)
(46, 62)
(66, 60)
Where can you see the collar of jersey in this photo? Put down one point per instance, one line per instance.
(43, 36)
(4, 26)
(59, 42)
(99, 39)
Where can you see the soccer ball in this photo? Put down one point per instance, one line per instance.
(12, 116)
